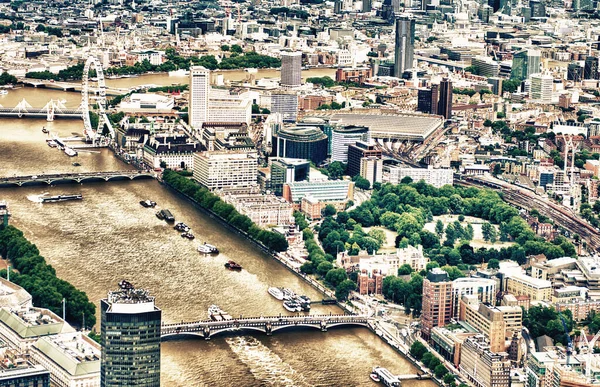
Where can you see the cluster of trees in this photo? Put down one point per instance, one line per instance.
(592, 322)
(40, 280)
(325, 81)
(257, 110)
(174, 62)
(421, 353)
(454, 231)
(344, 234)
(406, 207)
(236, 48)
(7, 79)
(472, 69)
(13, 27)
(510, 85)
(335, 170)
(72, 73)
(332, 106)
(250, 59)
(289, 12)
(272, 240)
(320, 263)
(168, 89)
(469, 92)
(49, 30)
(361, 182)
(407, 293)
(541, 320)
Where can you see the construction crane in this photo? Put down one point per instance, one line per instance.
(589, 350)
(569, 342)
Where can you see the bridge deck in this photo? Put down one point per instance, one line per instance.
(74, 177)
(268, 325)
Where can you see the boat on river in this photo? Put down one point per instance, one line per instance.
(148, 203)
(181, 227)
(70, 152)
(61, 198)
(386, 377)
(276, 292)
(292, 306)
(165, 215)
(187, 235)
(208, 249)
(231, 265)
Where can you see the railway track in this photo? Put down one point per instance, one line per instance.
(527, 200)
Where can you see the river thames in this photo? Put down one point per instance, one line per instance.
(108, 236)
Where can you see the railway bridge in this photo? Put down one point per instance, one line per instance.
(74, 178)
(208, 328)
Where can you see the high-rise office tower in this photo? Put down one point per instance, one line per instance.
(337, 7)
(404, 45)
(445, 104)
(541, 87)
(538, 8)
(437, 301)
(199, 90)
(525, 63)
(574, 72)
(130, 338)
(435, 99)
(591, 68)
(291, 69)
(428, 100)
(367, 5)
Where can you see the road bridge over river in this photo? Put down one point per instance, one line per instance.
(208, 328)
(74, 178)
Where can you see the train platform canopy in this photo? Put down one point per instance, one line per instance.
(404, 127)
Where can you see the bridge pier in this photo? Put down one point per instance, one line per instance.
(206, 333)
(268, 329)
(323, 326)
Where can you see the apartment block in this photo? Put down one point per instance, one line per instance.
(225, 169)
(437, 301)
(536, 289)
(482, 366)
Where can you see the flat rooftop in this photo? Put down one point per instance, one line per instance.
(392, 126)
(74, 352)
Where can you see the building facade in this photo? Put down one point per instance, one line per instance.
(130, 338)
(73, 359)
(225, 169)
(287, 170)
(291, 69)
(285, 104)
(525, 63)
(483, 367)
(359, 151)
(301, 142)
(536, 289)
(404, 46)
(437, 301)
(434, 176)
(342, 137)
(371, 168)
(445, 102)
(199, 94)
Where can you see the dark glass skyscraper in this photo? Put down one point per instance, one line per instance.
(445, 104)
(591, 68)
(404, 45)
(130, 338)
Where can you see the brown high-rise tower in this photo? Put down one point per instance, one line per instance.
(445, 104)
